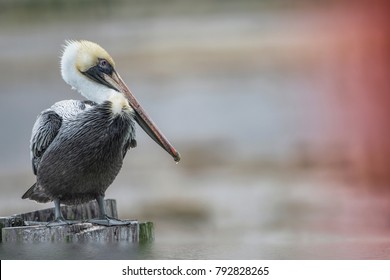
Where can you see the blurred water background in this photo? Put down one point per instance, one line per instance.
(279, 109)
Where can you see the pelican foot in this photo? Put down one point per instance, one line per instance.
(61, 222)
(109, 222)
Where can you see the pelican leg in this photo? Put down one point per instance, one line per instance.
(57, 210)
(59, 219)
(102, 209)
(104, 219)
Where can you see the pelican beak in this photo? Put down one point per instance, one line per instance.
(141, 116)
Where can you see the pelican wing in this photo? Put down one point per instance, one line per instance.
(44, 131)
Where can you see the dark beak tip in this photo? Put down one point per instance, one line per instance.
(177, 158)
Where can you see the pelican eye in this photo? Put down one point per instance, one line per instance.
(97, 72)
(104, 66)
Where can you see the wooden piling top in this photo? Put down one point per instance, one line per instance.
(31, 227)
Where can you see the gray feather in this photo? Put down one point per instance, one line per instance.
(48, 124)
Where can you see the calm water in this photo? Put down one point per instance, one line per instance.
(340, 249)
(247, 98)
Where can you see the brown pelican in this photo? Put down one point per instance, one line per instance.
(77, 147)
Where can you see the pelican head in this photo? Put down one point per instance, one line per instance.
(90, 70)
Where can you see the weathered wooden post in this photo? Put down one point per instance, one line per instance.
(31, 227)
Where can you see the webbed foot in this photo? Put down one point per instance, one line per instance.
(61, 222)
(109, 221)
